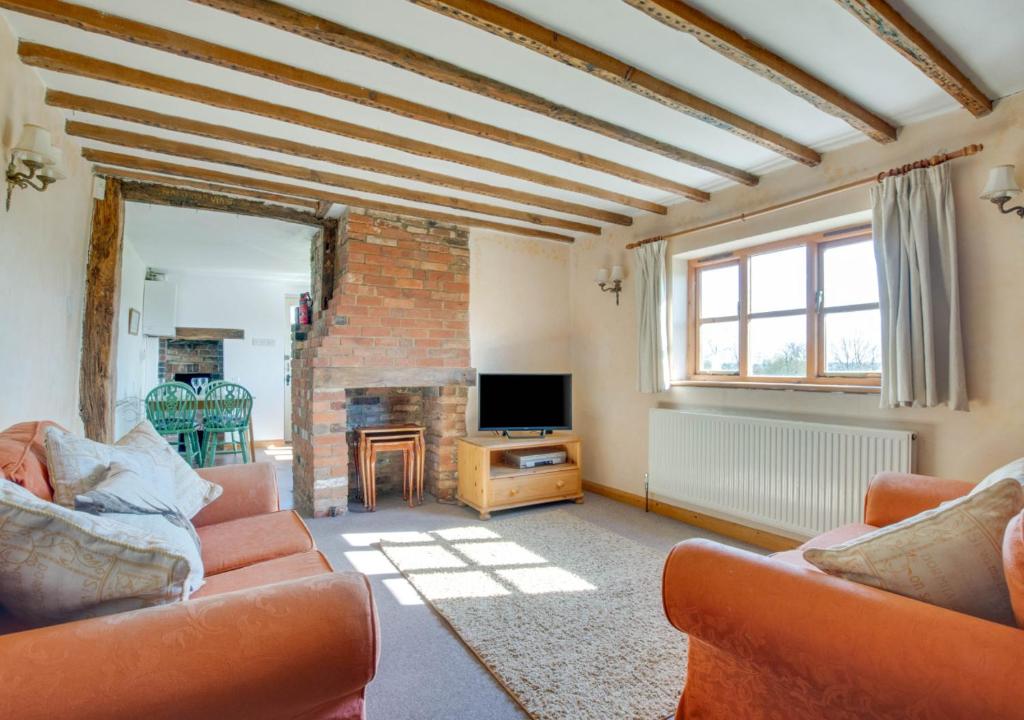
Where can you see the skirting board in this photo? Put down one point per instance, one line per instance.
(743, 533)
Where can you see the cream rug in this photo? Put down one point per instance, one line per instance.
(566, 615)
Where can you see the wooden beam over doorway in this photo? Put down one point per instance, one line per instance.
(99, 326)
(154, 194)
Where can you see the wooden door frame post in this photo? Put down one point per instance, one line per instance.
(102, 305)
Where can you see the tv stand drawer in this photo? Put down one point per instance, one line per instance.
(515, 490)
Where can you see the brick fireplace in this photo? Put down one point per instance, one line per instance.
(190, 357)
(389, 343)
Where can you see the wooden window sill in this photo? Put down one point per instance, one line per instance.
(802, 387)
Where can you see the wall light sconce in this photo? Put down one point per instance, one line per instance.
(1001, 186)
(610, 282)
(34, 158)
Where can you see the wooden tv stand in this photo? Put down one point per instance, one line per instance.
(486, 483)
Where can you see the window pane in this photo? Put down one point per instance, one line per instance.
(720, 292)
(849, 276)
(853, 342)
(778, 280)
(778, 346)
(719, 348)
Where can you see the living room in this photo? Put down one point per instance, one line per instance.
(736, 285)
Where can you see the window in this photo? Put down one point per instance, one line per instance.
(798, 311)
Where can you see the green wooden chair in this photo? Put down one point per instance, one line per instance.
(227, 412)
(172, 408)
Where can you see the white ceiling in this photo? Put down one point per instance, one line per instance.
(206, 242)
(982, 36)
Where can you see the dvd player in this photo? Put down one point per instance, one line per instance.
(530, 458)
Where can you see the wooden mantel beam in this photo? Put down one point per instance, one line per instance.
(885, 22)
(729, 43)
(116, 165)
(150, 143)
(62, 61)
(345, 38)
(186, 46)
(318, 152)
(510, 26)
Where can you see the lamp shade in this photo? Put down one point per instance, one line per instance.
(1001, 183)
(616, 273)
(35, 145)
(602, 275)
(54, 170)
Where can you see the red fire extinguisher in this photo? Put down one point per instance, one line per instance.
(305, 309)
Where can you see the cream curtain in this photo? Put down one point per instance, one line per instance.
(915, 249)
(652, 318)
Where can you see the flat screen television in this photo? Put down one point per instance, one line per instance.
(539, 402)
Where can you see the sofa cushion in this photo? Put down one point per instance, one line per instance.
(58, 564)
(838, 535)
(234, 544)
(1013, 565)
(23, 457)
(950, 556)
(290, 567)
(78, 464)
(1013, 470)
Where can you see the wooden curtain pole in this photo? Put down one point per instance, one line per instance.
(965, 151)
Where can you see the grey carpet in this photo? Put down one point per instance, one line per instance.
(566, 614)
(426, 672)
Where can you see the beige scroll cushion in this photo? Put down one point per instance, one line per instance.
(77, 465)
(58, 564)
(145, 500)
(949, 556)
(1013, 470)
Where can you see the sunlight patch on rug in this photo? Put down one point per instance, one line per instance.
(565, 614)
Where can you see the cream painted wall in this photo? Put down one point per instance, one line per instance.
(43, 244)
(130, 386)
(611, 415)
(518, 307)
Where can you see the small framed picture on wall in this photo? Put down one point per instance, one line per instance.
(133, 321)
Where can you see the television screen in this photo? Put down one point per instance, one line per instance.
(525, 402)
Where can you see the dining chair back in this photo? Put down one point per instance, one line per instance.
(172, 408)
(227, 412)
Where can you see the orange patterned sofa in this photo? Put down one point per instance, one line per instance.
(273, 633)
(775, 638)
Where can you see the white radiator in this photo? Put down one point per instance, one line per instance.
(795, 478)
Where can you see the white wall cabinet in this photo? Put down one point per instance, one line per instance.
(158, 308)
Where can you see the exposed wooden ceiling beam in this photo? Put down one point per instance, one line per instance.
(207, 187)
(160, 194)
(138, 141)
(62, 61)
(518, 29)
(764, 62)
(885, 22)
(132, 162)
(315, 152)
(350, 40)
(186, 46)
